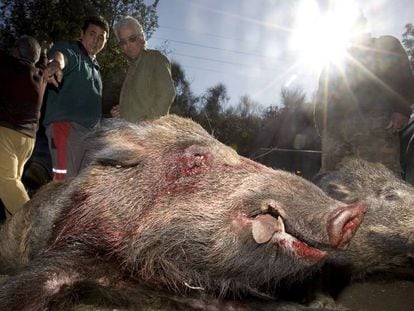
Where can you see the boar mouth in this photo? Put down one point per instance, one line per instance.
(270, 228)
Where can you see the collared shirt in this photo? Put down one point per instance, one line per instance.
(148, 89)
(79, 96)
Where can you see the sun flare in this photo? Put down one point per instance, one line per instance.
(323, 37)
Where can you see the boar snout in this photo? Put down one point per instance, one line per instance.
(343, 223)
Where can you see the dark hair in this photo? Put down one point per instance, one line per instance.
(28, 48)
(98, 21)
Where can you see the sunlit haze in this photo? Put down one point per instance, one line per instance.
(323, 37)
(257, 47)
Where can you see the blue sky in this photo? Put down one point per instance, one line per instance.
(245, 44)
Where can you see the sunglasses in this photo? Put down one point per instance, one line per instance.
(131, 39)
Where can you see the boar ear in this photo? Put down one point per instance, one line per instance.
(117, 144)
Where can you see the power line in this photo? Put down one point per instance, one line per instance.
(208, 34)
(279, 58)
(210, 59)
(223, 61)
(231, 63)
(216, 71)
(217, 48)
(204, 69)
(211, 47)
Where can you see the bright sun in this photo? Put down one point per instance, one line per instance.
(323, 38)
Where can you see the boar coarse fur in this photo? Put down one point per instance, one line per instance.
(27, 232)
(385, 242)
(165, 208)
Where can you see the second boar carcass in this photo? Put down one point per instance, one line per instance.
(385, 243)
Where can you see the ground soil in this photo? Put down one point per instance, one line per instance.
(367, 296)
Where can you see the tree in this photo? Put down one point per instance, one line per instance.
(293, 102)
(61, 20)
(267, 135)
(240, 125)
(408, 42)
(212, 107)
(185, 101)
(247, 107)
(55, 20)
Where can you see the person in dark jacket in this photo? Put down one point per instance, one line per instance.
(22, 86)
(362, 108)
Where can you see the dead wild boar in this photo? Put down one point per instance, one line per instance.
(381, 250)
(386, 240)
(164, 209)
(26, 234)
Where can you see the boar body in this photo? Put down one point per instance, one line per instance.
(164, 207)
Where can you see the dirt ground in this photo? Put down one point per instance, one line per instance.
(379, 296)
(367, 296)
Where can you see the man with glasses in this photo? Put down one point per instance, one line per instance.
(75, 107)
(148, 89)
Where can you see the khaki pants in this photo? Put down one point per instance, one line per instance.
(15, 150)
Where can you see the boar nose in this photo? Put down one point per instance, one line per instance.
(343, 223)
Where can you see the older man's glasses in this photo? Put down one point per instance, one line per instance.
(131, 39)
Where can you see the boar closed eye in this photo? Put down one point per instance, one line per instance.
(390, 194)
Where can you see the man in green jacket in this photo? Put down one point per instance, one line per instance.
(75, 107)
(148, 89)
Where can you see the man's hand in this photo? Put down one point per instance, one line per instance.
(115, 112)
(54, 73)
(398, 122)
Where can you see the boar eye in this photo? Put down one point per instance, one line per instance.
(391, 197)
(390, 194)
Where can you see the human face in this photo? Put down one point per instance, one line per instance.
(130, 42)
(94, 39)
